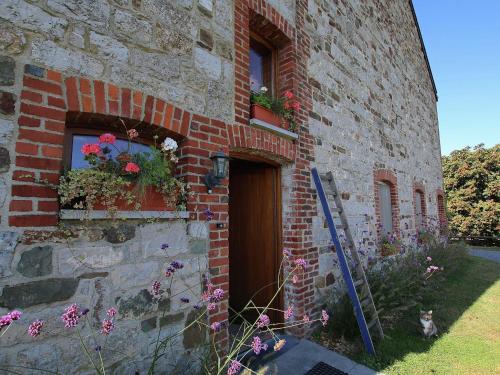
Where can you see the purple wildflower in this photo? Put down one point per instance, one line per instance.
(184, 299)
(216, 326)
(196, 307)
(288, 312)
(177, 265)
(208, 214)
(85, 312)
(111, 312)
(218, 294)
(35, 328)
(107, 326)
(97, 348)
(257, 345)
(263, 321)
(287, 253)
(156, 287)
(71, 316)
(5, 321)
(300, 263)
(164, 246)
(211, 306)
(234, 368)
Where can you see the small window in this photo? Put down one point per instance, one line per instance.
(77, 140)
(385, 207)
(261, 66)
(419, 209)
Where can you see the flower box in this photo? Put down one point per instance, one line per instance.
(260, 113)
(152, 200)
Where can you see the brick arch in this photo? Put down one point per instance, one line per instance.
(387, 176)
(47, 99)
(418, 187)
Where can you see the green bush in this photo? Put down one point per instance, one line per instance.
(398, 284)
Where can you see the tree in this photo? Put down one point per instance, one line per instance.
(472, 185)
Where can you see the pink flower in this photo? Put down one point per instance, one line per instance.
(107, 326)
(296, 106)
(132, 133)
(257, 345)
(234, 368)
(300, 263)
(324, 317)
(287, 253)
(107, 138)
(15, 315)
(35, 328)
(211, 306)
(263, 321)
(429, 259)
(90, 148)
(156, 287)
(288, 313)
(295, 279)
(288, 94)
(71, 316)
(111, 312)
(5, 320)
(132, 168)
(215, 326)
(305, 318)
(218, 294)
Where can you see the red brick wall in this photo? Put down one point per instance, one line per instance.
(387, 176)
(441, 207)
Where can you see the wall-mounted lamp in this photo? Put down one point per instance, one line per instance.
(220, 163)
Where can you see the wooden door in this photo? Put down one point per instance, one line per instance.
(254, 236)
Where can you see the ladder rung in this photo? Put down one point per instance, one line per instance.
(325, 177)
(336, 209)
(340, 226)
(372, 323)
(366, 302)
(358, 282)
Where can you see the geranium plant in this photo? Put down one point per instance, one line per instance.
(118, 175)
(284, 107)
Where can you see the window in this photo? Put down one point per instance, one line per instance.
(385, 208)
(441, 211)
(77, 138)
(419, 209)
(262, 71)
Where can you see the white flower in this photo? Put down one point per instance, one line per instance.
(169, 144)
(263, 89)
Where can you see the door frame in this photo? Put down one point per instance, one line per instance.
(278, 227)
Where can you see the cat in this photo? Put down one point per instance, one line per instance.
(429, 327)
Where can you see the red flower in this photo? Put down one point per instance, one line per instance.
(90, 148)
(132, 168)
(288, 94)
(107, 138)
(296, 106)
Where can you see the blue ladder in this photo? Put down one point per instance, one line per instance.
(361, 282)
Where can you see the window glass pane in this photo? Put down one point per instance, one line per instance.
(78, 159)
(419, 214)
(256, 70)
(385, 207)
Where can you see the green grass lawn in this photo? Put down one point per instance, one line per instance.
(467, 312)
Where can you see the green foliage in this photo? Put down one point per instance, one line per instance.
(283, 107)
(472, 184)
(398, 284)
(84, 188)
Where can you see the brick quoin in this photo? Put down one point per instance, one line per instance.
(387, 176)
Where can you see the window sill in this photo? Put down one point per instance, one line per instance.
(103, 215)
(273, 129)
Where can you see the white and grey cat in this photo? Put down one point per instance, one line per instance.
(428, 325)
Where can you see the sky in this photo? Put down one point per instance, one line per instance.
(462, 39)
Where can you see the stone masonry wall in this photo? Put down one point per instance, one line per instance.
(104, 265)
(373, 108)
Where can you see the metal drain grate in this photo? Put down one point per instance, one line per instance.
(321, 368)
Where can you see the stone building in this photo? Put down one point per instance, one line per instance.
(368, 114)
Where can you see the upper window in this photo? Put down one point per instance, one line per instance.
(419, 209)
(385, 207)
(77, 140)
(262, 71)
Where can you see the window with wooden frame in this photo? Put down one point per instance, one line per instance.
(263, 70)
(419, 209)
(386, 208)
